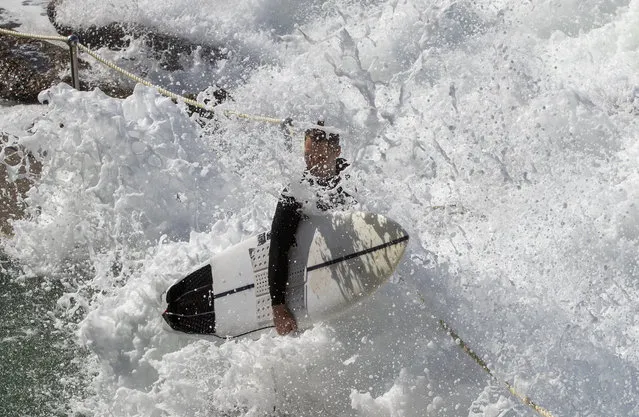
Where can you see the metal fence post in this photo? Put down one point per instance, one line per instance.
(73, 41)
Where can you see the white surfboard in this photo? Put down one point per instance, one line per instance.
(338, 259)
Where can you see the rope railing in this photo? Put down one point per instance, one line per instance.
(33, 35)
(74, 44)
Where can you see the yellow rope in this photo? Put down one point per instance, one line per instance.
(286, 123)
(140, 80)
(33, 36)
(524, 399)
(172, 95)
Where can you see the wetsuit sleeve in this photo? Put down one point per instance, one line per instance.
(285, 221)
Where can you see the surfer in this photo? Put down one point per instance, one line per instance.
(323, 175)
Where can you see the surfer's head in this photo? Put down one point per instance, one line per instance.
(319, 135)
(321, 152)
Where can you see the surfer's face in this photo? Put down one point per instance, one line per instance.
(320, 157)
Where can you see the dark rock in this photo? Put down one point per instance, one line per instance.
(28, 67)
(12, 193)
(166, 49)
(203, 116)
(7, 24)
(113, 36)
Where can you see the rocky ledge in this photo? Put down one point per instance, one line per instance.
(29, 66)
(18, 169)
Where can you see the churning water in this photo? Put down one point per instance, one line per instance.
(501, 134)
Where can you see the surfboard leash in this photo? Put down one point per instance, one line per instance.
(523, 398)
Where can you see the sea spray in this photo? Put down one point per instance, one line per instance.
(527, 125)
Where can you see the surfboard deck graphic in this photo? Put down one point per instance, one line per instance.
(338, 259)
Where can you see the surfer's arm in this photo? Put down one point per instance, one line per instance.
(285, 221)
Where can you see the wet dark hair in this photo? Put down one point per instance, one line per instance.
(319, 135)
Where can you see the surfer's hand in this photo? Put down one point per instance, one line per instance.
(284, 320)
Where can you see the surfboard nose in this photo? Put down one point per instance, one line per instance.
(351, 258)
(384, 242)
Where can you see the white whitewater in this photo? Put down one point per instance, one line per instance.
(502, 135)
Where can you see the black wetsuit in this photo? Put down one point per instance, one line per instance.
(288, 214)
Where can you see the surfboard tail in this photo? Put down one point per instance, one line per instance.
(200, 278)
(191, 303)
